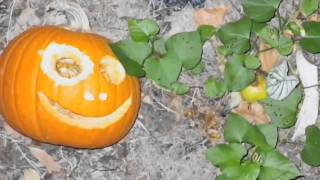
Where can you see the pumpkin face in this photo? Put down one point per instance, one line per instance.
(66, 88)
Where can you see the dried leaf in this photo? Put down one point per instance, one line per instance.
(269, 58)
(214, 17)
(30, 174)
(309, 110)
(253, 112)
(279, 84)
(45, 159)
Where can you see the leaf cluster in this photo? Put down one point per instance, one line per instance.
(146, 54)
(257, 160)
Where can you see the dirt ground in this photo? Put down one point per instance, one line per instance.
(172, 133)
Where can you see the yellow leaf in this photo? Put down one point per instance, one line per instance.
(45, 159)
(214, 17)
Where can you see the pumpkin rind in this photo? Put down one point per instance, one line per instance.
(21, 79)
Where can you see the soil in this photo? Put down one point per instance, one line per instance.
(172, 133)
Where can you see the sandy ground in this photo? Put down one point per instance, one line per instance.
(172, 133)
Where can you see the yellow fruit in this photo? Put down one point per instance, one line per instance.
(256, 91)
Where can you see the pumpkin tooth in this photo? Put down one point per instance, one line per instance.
(112, 70)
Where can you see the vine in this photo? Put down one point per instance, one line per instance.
(163, 60)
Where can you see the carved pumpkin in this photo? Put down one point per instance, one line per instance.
(66, 88)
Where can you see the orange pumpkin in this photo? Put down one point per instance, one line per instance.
(67, 88)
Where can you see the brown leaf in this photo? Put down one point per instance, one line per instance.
(253, 112)
(214, 17)
(30, 174)
(45, 159)
(268, 58)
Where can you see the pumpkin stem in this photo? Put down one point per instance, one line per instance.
(76, 16)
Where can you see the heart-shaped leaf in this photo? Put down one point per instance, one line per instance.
(276, 166)
(283, 113)
(310, 153)
(260, 10)
(214, 89)
(235, 36)
(163, 71)
(247, 171)
(309, 6)
(238, 130)
(271, 36)
(142, 30)
(236, 75)
(132, 67)
(311, 39)
(270, 132)
(137, 51)
(279, 84)
(186, 47)
(224, 155)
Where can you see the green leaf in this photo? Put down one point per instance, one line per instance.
(310, 153)
(142, 30)
(198, 69)
(206, 32)
(260, 10)
(224, 51)
(163, 71)
(270, 132)
(276, 166)
(271, 36)
(237, 76)
(311, 40)
(294, 28)
(179, 88)
(252, 62)
(283, 113)
(285, 46)
(137, 51)
(131, 66)
(159, 46)
(257, 26)
(246, 171)
(309, 6)
(236, 36)
(214, 89)
(223, 155)
(224, 177)
(186, 47)
(238, 130)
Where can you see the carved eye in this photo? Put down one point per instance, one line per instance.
(65, 64)
(112, 70)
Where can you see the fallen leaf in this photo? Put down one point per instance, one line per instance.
(30, 174)
(269, 58)
(279, 84)
(214, 17)
(309, 110)
(45, 159)
(253, 112)
(314, 17)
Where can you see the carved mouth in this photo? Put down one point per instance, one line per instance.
(84, 122)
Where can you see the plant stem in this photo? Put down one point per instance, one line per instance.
(266, 49)
(279, 20)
